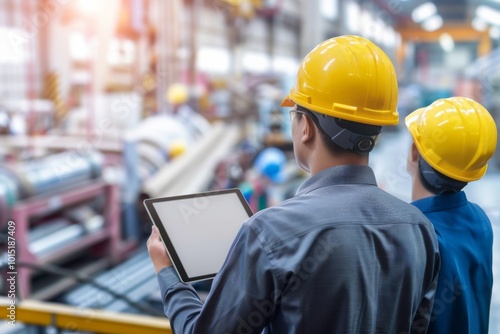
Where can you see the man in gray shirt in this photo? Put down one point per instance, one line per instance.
(341, 256)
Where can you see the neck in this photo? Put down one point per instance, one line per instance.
(326, 160)
(418, 190)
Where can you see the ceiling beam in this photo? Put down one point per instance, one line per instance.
(460, 33)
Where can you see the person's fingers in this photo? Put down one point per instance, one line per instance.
(154, 238)
(153, 235)
(155, 232)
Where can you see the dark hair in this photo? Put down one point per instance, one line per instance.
(328, 142)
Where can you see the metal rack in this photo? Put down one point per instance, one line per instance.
(42, 205)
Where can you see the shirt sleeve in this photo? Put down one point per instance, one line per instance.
(243, 298)
(422, 318)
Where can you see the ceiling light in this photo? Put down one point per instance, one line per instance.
(433, 23)
(446, 42)
(423, 12)
(479, 24)
(488, 14)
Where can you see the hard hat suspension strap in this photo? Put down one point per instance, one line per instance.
(436, 182)
(349, 135)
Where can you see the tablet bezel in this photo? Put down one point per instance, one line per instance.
(148, 203)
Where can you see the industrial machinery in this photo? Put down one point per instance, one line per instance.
(62, 209)
(135, 278)
(54, 173)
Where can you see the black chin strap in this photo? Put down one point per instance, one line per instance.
(436, 182)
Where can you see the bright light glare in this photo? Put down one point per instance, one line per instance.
(79, 48)
(390, 37)
(488, 14)
(14, 46)
(423, 12)
(433, 23)
(255, 62)
(495, 32)
(446, 42)
(286, 65)
(213, 60)
(479, 24)
(89, 6)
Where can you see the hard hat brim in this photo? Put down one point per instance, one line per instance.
(287, 102)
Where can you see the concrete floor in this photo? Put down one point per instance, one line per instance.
(389, 163)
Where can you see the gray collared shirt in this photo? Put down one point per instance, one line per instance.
(342, 256)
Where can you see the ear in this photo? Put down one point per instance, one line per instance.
(412, 161)
(308, 130)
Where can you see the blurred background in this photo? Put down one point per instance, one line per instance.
(106, 103)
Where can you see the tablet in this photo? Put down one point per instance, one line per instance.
(198, 229)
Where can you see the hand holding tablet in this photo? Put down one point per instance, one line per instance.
(198, 229)
(157, 251)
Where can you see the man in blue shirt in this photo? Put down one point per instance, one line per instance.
(453, 139)
(341, 256)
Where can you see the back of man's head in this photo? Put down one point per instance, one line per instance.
(348, 86)
(455, 138)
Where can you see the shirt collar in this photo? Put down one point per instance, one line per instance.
(346, 174)
(441, 202)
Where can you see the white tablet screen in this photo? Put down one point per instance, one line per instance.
(202, 229)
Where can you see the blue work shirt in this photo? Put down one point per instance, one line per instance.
(465, 236)
(342, 256)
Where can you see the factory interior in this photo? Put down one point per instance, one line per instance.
(104, 104)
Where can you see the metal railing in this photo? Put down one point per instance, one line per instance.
(74, 319)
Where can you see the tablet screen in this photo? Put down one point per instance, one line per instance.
(198, 229)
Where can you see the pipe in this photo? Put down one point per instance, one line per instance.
(51, 173)
(192, 171)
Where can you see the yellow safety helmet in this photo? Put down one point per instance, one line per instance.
(177, 147)
(347, 77)
(177, 94)
(455, 136)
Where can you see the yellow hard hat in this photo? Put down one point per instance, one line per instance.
(347, 77)
(456, 136)
(177, 147)
(177, 94)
